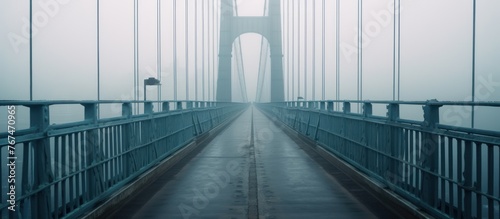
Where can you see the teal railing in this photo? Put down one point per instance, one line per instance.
(65, 170)
(448, 171)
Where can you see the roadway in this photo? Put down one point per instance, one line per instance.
(252, 169)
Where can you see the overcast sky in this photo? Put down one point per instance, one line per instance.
(436, 45)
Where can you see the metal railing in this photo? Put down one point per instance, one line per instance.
(64, 170)
(450, 172)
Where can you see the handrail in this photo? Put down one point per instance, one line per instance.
(62, 170)
(444, 169)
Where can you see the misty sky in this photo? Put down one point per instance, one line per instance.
(436, 45)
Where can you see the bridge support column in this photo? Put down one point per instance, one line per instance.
(232, 27)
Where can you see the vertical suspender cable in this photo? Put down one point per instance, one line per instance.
(239, 59)
(136, 55)
(98, 57)
(262, 59)
(31, 50)
(323, 52)
(186, 33)
(298, 51)
(217, 53)
(209, 50)
(158, 48)
(174, 19)
(360, 51)
(399, 49)
(293, 50)
(288, 50)
(473, 60)
(305, 49)
(314, 52)
(203, 49)
(214, 54)
(196, 50)
(394, 55)
(337, 52)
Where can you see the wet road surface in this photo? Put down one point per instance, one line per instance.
(252, 169)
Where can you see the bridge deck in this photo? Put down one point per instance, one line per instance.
(235, 176)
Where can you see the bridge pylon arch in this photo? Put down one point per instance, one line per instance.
(232, 27)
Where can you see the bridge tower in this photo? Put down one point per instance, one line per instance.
(232, 27)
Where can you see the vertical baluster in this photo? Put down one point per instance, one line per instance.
(491, 180)
(451, 184)
(119, 152)
(114, 154)
(57, 176)
(109, 156)
(63, 174)
(468, 178)
(417, 163)
(459, 178)
(78, 192)
(442, 173)
(26, 172)
(71, 171)
(83, 166)
(478, 183)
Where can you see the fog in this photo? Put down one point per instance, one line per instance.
(435, 51)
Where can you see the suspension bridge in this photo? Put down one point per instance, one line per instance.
(306, 143)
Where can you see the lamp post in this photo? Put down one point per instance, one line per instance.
(150, 81)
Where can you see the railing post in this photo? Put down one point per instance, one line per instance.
(127, 110)
(92, 152)
(166, 106)
(322, 105)
(148, 107)
(179, 105)
(393, 111)
(127, 137)
(394, 174)
(367, 109)
(347, 107)
(330, 106)
(43, 175)
(429, 153)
